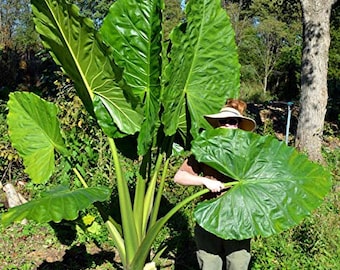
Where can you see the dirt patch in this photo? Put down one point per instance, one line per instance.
(34, 246)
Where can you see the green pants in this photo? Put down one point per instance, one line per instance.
(215, 253)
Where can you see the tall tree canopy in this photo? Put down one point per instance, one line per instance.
(94, 9)
(268, 34)
(16, 25)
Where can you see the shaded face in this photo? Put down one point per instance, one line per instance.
(231, 122)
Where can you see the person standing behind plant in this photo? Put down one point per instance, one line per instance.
(215, 253)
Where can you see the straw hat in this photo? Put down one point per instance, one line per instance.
(245, 123)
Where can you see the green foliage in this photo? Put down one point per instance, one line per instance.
(314, 244)
(192, 78)
(283, 83)
(96, 79)
(87, 145)
(89, 228)
(173, 15)
(37, 150)
(252, 91)
(262, 47)
(265, 31)
(332, 157)
(56, 204)
(94, 9)
(10, 162)
(16, 27)
(282, 251)
(333, 73)
(143, 74)
(274, 181)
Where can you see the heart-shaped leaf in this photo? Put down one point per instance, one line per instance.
(34, 131)
(277, 187)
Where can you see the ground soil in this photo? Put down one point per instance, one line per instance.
(34, 246)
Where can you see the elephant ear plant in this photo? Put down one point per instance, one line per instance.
(135, 85)
(275, 187)
(138, 86)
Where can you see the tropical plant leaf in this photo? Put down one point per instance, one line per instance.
(277, 187)
(35, 133)
(59, 204)
(204, 69)
(74, 45)
(133, 30)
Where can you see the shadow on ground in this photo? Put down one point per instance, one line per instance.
(77, 258)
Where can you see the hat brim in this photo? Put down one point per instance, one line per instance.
(245, 123)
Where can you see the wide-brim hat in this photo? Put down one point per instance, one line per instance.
(245, 123)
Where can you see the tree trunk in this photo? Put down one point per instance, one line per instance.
(314, 93)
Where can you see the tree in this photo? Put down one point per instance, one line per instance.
(334, 53)
(333, 108)
(314, 92)
(265, 40)
(237, 14)
(173, 14)
(16, 25)
(94, 9)
(265, 32)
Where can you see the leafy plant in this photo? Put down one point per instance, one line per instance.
(265, 170)
(125, 103)
(142, 91)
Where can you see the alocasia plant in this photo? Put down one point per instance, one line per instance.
(124, 77)
(275, 187)
(133, 83)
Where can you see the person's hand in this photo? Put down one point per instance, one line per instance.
(213, 185)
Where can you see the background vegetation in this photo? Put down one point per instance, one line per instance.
(261, 26)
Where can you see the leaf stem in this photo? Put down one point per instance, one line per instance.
(81, 179)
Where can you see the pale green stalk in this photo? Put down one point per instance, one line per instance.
(157, 202)
(138, 207)
(118, 240)
(128, 223)
(149, 197)
(149, 239)
(81, 179)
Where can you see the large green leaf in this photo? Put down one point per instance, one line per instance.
(203, 70)
(74, 45)
(35, 133)
(133, 30)
(277, 187)
(56, 205)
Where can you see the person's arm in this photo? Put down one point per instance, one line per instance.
(188, 177)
